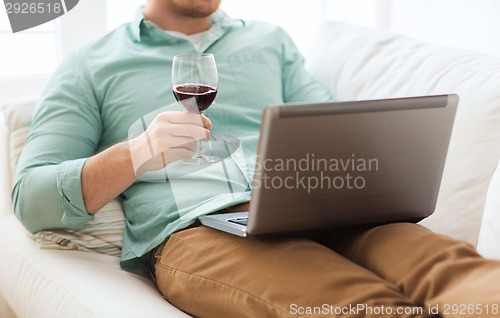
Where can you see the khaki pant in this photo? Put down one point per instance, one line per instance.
(396, 270)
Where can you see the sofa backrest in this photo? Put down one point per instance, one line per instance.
(5, 201)
(358, 63)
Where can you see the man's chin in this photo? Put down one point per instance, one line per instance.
(194, 8)
(199, 12)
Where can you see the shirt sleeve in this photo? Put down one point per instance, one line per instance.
(65, 131)
(298, 84)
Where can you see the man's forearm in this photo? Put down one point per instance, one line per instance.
(106, 175)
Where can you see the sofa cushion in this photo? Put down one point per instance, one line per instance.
(17, 115)
(489, 235)
(104, 234)
(359, 63)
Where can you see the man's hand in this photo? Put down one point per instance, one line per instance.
(170, 137)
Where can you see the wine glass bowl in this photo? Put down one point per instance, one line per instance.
(195, 97)
(194, 85)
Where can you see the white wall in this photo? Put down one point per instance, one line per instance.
(86, 22)
(21, 86)
(467, 24)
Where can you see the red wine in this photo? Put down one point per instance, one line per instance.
(196, 98)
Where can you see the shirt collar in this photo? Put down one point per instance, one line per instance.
(220, 22)
(136, 23)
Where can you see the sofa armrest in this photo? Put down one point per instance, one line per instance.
(5, 174)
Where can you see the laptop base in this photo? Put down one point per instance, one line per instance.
(227, 222)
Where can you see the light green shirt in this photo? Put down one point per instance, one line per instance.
(110, 90)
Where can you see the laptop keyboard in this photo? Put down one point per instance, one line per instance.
(241, 221)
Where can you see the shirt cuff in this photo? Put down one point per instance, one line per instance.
(69, 185)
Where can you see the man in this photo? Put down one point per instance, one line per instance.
(82, 152)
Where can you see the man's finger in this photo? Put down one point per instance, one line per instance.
(188, 130)
(181, 118)
(207, 123)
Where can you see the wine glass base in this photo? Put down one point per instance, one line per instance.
(202, 160)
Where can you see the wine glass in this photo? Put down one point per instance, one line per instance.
(194, 84)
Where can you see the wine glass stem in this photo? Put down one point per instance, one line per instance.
(198, 154)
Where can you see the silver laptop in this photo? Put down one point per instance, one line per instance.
(350, 163)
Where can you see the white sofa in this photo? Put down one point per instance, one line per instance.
(354, 63)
